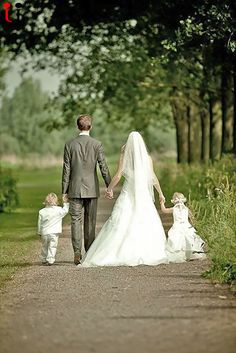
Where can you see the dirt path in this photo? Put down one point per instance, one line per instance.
(168, 308)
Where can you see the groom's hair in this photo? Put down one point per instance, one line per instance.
(84, 122)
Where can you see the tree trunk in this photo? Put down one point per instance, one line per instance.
(205, 116)
(215, 129)
(194, 134)
(189, 122)
(179, 110)
(234, 114)
(205, 142)
(227, 109)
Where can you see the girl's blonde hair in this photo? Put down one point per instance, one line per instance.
(178, 197)
(51, 200)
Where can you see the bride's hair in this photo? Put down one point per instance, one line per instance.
(178, 197)
(51, 200)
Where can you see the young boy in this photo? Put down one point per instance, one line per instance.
(50, 226)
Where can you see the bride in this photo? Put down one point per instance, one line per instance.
(133, 235)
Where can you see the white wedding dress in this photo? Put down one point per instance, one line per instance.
(133, 235)
(183, 242)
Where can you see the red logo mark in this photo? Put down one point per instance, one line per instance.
(7, 7)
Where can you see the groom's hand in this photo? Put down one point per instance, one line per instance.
(65, 198)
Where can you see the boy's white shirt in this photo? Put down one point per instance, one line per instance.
(50, 219)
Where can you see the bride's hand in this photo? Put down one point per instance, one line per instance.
(162, 198)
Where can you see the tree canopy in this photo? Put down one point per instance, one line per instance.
(22, 120)
(143, 61)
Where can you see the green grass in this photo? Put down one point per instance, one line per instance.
(211, 194)
(18, 228)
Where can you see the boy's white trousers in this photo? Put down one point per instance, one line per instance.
(49, 247)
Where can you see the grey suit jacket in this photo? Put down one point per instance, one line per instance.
(79, 178)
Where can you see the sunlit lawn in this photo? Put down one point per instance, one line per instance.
(18, 232)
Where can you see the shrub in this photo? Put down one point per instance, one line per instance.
(8, 194)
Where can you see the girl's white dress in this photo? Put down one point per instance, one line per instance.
(133, 235)
(183, 242)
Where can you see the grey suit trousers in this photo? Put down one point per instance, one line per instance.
(89, 225)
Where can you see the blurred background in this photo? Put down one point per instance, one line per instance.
(164, 68)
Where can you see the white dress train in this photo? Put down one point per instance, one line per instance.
(133, 235)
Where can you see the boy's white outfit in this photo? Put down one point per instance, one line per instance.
(49, 227)
(183, 242)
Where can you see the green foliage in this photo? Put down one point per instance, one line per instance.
(218, 227)
(8, 192)
(128, 64)
(211, 194)
(3, 70)
(218, 220)
(211, 24)
(23, 120)
(111, 72)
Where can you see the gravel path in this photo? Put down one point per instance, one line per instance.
(168, 308)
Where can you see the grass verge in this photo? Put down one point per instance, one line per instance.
(18, 228)
(211, 193)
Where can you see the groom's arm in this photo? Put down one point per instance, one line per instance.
(103, 166)
(66, 170)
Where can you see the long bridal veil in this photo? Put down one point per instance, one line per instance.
(137, 167)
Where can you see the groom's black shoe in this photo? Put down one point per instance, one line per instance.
(77, 259)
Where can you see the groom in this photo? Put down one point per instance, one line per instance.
(80, 183)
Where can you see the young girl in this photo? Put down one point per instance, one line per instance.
(50, 226)
(183, 242)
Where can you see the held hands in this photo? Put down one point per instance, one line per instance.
(65, 198)
(162, 198)
(109, 194)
